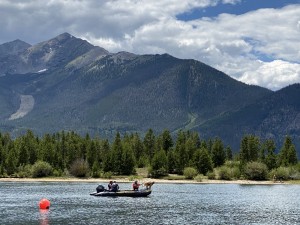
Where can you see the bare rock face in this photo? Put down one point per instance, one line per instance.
(26, 105)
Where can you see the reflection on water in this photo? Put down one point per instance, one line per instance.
(44, 217)
(168, 204)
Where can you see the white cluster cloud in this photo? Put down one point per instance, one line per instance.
(259, 47)
(274, 74)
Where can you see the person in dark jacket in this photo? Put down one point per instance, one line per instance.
(114, 187)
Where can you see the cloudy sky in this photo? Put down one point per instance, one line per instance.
(254, 41)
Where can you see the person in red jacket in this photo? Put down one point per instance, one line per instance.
(135, 185)
(109, 186)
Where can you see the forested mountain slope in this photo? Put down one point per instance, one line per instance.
(77, 86)
(274, 116)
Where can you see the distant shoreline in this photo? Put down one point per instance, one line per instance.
(124, 180)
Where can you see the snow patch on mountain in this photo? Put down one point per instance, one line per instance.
(41, 71)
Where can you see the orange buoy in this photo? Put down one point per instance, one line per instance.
(44, 204)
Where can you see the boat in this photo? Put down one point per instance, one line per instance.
(123, 193)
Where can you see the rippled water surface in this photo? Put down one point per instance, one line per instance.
(168, 204)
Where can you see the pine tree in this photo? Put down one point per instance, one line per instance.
(159, 164)
(167, 141)
(116, 154)
(149, 143)
(287, 155)
(2, 157)
(192, 144)
(171, 159)
(228, 152)
(11, 159)
(181, 155)
(292, 155)
(106, 156)
(32, 145)
(253, 147)
(128, 160)
(22, 153)
(91, 154)
(47, 150)
(202, 161)
(62, 147)
(217, 153)
(270, 157)
(137, 147)
(250, 146)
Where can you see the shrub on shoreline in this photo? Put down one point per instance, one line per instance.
(190, 173)
(41, 169)
(199, 178)
(256, 171)
(280, 173)
(79, 168)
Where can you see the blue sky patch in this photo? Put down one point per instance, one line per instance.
(240, 8)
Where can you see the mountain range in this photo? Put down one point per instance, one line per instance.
(66, 83)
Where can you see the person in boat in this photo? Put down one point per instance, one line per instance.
(135, 185)
(114, 187)
(109, 186)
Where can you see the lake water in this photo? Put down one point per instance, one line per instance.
(168, 204)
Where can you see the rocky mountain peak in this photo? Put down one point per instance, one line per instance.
(64, 35)
(13, 47)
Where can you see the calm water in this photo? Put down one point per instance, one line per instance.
(168, 204)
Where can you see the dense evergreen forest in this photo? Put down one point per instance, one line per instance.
(67, 153)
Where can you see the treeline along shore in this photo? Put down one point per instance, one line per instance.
(185, 157)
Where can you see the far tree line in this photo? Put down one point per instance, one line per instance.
(65, 152)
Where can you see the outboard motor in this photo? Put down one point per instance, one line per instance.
(100, 188)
